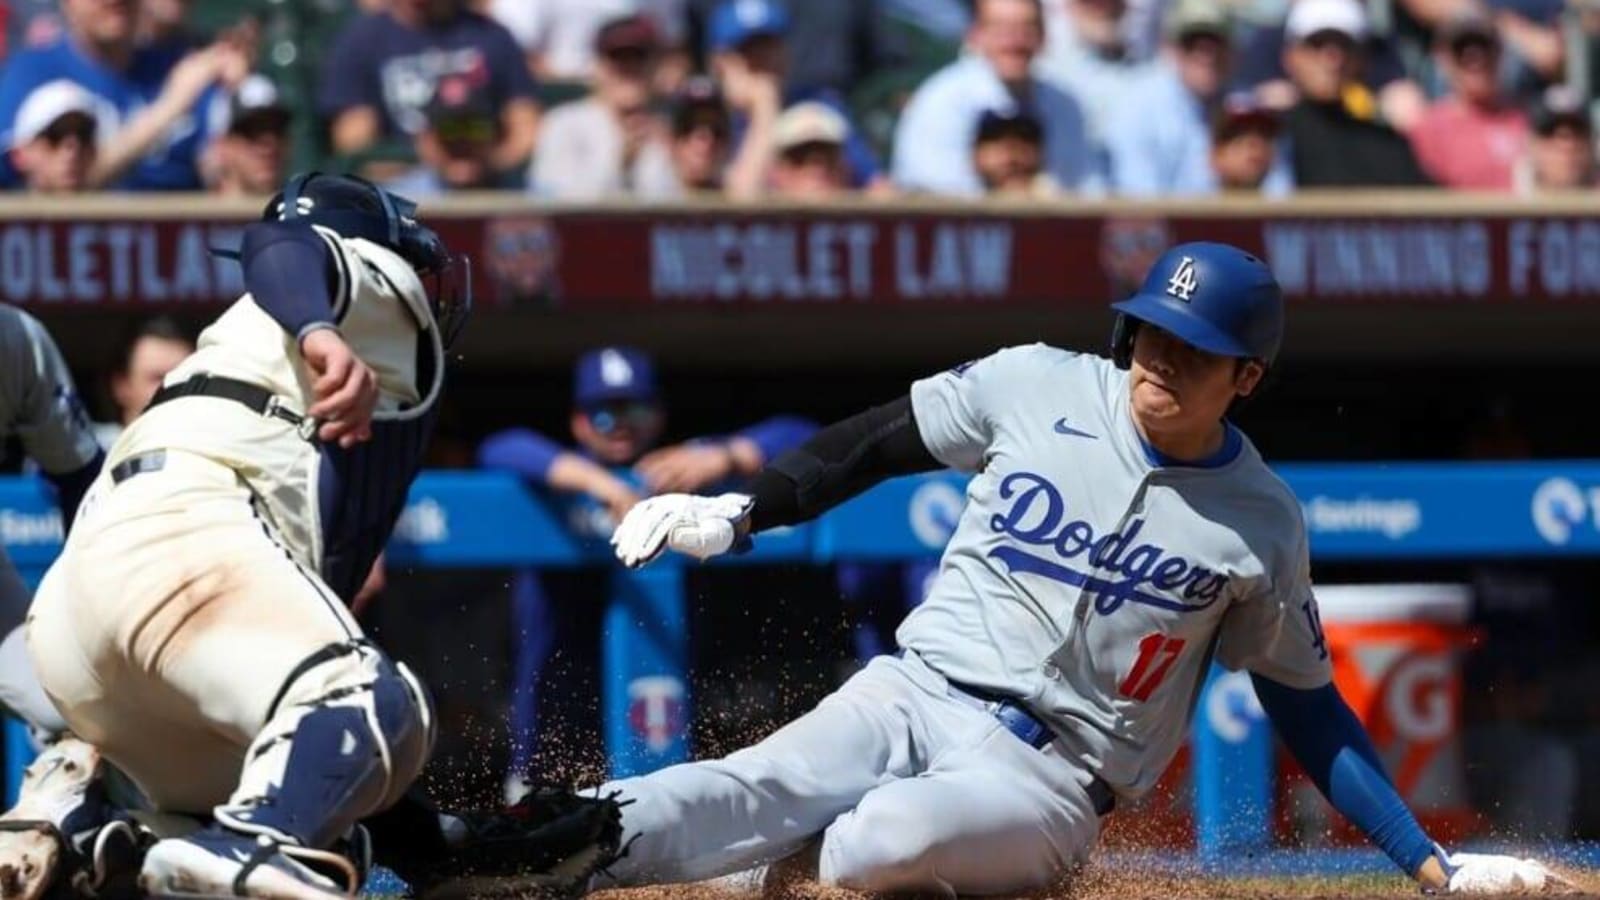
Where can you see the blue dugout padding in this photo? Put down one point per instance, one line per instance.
(461, 519)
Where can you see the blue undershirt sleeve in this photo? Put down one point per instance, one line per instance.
(1324, 735)
(520, 450)
(291, 272)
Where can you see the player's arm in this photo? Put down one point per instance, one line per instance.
(1277, 636)
(1328, 741)
(835, 464)
(1323, 734)
(52, 423)
(296, 276)
(539, 460)
(945, 420)
(701, 464)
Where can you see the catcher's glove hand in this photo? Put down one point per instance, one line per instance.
(549, 843)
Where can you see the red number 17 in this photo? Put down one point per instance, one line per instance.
(1148, 674)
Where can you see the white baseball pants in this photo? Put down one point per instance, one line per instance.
(168, 631)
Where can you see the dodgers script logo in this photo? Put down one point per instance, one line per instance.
(1038, 517)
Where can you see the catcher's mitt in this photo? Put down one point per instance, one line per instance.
(548, 843)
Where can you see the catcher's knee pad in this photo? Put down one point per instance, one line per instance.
(348, 734)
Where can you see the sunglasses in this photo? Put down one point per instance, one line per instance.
(715, 127)
(1322, 40)
(1475, 44)
(1209, 41)
(630, 56)
(609, 417)
(71, 126)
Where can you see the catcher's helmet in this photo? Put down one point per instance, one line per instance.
(1213, 296)
(354, 207)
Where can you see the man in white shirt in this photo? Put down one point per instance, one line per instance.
(1159, 137)
(933, 142)
(559, 35)
(612, 142)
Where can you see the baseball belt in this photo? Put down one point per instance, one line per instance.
(1031, 730)
(254, 397)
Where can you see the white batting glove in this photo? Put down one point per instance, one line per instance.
(1484, 873)
(701, 527)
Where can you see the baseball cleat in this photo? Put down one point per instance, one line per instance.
(61, 827)
(217, 863)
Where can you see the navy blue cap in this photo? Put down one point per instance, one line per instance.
(613, 375)
(736, 21)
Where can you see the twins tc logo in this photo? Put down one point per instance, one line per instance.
(1183, 282)
(1038, 518)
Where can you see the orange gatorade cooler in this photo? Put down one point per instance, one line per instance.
(1396, 651)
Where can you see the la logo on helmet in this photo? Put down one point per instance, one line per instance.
(1183, 283)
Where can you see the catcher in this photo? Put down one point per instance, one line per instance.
(192, 629)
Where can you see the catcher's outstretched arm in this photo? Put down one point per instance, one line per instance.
(837, 463)
(1329, 742)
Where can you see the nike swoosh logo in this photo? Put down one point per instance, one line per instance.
(1063, 428)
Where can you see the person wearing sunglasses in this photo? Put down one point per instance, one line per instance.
(617, 421)
(701, 136)
(613, 142)
(1162, 141)
(53, 141)
(1335, 137)
(1472, 137)
(252, 152)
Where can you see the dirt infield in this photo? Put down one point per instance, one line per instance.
(1105, 885)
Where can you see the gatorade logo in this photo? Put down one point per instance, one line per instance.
(1418, 700)
(1558, 507)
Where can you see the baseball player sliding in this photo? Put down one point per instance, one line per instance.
(1119, 533)
(192, 630)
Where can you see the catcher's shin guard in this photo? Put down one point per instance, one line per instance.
(349, 733)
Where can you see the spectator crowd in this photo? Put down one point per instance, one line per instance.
(790, 100)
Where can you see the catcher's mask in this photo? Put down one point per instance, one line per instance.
(352, 206)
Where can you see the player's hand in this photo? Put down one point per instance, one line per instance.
(1484, 873)
(685, 467)
(346, 388)
(701, 527)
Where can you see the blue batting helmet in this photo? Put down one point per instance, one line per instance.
(1213, 296)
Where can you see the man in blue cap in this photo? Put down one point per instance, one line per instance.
(617, 420)
(837, 44)
(747, 51)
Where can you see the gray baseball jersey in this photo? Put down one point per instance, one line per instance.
(40, 406)
(1092, 581)
(38, 402)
